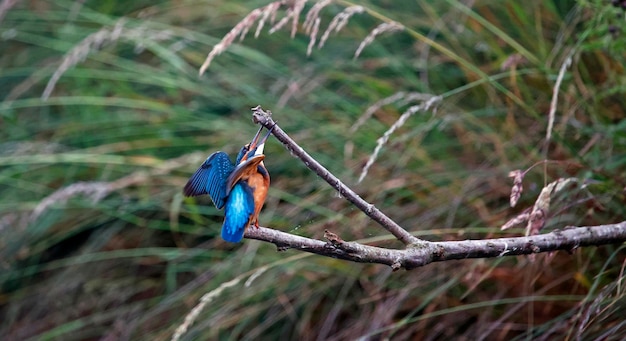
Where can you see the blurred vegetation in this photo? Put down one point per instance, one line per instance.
(98, 243)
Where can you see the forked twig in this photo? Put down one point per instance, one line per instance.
(264, 118)
(419, 252)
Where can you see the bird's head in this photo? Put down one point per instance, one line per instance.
(254, 148)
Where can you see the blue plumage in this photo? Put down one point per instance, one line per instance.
(239, 207)
(211, 178)
(240, 187)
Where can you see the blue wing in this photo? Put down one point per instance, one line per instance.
(211, 178)
(239, 208)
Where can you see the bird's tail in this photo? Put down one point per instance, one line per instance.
(239, 208)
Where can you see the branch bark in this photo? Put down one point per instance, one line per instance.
(568, 239)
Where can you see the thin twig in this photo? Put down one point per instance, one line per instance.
(264, 118)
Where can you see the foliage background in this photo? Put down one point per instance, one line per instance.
(98, 243)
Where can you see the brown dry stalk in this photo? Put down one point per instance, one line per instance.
(517, 220)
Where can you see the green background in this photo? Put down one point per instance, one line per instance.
(97, 242)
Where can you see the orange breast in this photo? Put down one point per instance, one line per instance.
(260, 183)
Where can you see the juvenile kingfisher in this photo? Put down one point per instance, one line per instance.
(240, 187)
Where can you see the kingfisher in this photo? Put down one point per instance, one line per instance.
(241, 188)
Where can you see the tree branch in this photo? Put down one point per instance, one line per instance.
(418, 252)
(264, 118)
(426, 252)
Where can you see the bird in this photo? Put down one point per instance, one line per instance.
(240, 188)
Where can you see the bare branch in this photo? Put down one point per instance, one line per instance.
(418, 252)
(425, 253)
(265, 119)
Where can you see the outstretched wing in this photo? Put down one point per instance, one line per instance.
(211, 179)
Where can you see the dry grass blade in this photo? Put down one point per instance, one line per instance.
(516, 190)
(293, 14)
(79, 52)
(555, 96)
(239, 30)
(5, 6)
(339, 22)
(95, 190)
(261, 14)
(98, 190)
(538, 215)
(99, 39)
(313, 35)
(380, 29)
(269, 12)
(513, 61)
(313, 14)
(402, 97)
(426, 105)
(206, 299)
(517, 220)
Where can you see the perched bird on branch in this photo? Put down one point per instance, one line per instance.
(241, 188)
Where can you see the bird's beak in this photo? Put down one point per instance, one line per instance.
(255, 139)
(259, 149)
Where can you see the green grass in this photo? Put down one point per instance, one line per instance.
(130, 119)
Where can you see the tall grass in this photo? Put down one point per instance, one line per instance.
(104, 117)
